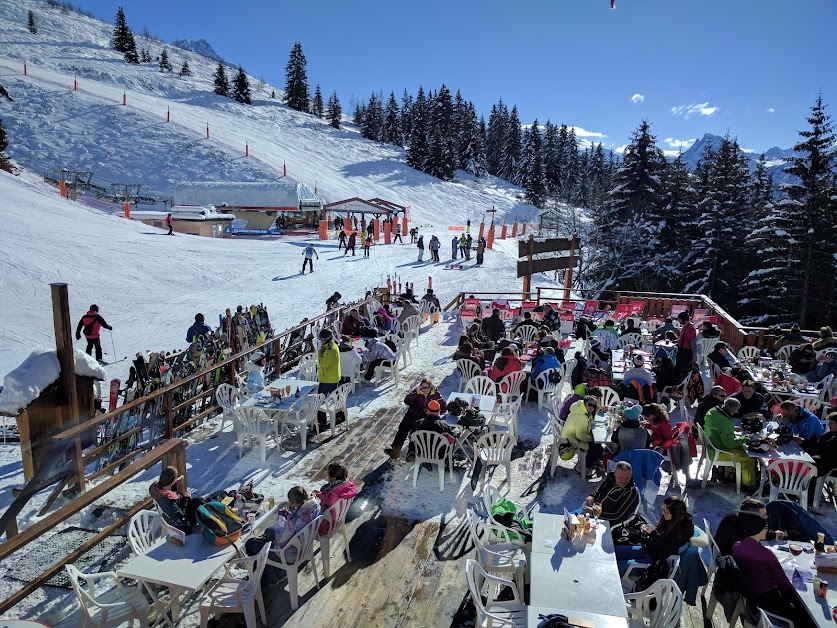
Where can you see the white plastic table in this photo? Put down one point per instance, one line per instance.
(188, 567)
(594, 620)
(819, 609)
(578, 576)
(788, 451)
(484, 403)
(279, 408)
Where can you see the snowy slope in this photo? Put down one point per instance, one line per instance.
(150, 287)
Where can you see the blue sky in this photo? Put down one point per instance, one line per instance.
(747, 67)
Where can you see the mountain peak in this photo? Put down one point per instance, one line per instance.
(198, 46)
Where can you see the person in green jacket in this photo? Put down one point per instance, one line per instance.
(328, 363)
(720, 432)
(579, 429)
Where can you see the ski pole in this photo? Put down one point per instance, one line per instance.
(113, 346)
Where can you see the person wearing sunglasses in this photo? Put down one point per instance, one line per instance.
(579, 430)
(416, 401)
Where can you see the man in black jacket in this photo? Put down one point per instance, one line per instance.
(92, 323)
(494, 327)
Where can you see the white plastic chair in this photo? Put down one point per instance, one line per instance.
(229, 398)
(508, 613)
(527, 333)
(714, 373)
(496, 557)
(511, 383)
(481, 385)
(823, 387)
(628, 582)
(411, 327)
(253, 423)
(308, 367)
(542, 386)
(566, 377)
(716, 461)
(467, 369)
(494, 449)
(814, 406)
(335, 517)
(634, 339)
(704, 348)
(790, 476)
(302, 544)
(238, 595)
(432, 448)
(145, 528)
(490, 496)
(107, 606)
(783, 352)
(653, 324)
(749, 353)
(390, 369)
(609, 397)
(400, 346)
(302, 419)
(556, 425)
(505, 415)
(659, 606)
(334, 402)
(768, 620)
(821, 481)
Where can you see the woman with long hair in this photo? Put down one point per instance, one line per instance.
(659, 426)
(674, 529)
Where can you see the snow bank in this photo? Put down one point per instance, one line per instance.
(26, 383)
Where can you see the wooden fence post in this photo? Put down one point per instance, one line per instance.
(169, 417)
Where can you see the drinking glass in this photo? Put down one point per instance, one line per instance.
(597, 511)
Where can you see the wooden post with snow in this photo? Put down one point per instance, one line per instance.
(68, 407)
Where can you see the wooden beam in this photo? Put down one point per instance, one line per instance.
(67, 375)
(543, 265)
(90, 496)
(553, 245)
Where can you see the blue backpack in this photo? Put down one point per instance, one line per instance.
(220, 525)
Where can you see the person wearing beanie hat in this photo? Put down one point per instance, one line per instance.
(630, 434)
(644, 380)
(434, 408)
(720, 432)
(417, 401)
(199, 329)
(255, 372)
(328, 363)
(793, 337)
(579, 392)
(379, 352)
(764, 581)
(91, 324)
(432, 422)
(599, 357)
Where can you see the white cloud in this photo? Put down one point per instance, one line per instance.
(675, 143)
(671, 153)
(580, 132)
(687, 111)
(637, 98)
(620, 149)
(771, 110)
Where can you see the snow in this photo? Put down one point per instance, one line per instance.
(34, 375)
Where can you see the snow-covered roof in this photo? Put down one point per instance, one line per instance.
(36, 373)
(286, 194)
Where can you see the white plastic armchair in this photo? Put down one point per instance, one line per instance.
(746, 354)
(390, 369)
(110, 605)
(715, 457)
(790, 477)
(411, 327)
(434, 449)
(527, 333)
(308, 367)
(542, 386)
(467, 369)
(704, 348)
(505, 416)
(253, 424)
(298, 550)
(334, 402)
(229, 398)
(659, 606)
(783, 353)
(496, 557)
(609, 397)
(634, 339)
(238, 595)
(302, 419)
(635, 570)
(335, 517)
(481, 385)
(509, 385)
(500, 614)
(494, 449)
(145, 528)
(490, 496)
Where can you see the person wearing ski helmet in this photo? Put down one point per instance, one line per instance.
(328, 363)
(92, 323)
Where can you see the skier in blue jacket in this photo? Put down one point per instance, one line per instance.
(198, 329)
(308, 256)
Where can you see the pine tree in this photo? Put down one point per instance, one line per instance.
(222, 85)
(444, 159)
(472, 151)
(550, 157)
(495, 139)
(372, 122)
(318, 108)
(406, 120)
(119, 40)
(673, 225)
(241, 87)
(418, 153)
(185, 70)
(145, 56)
(131, 55)
(296, 80)
(814, 198)
(512, 153)
(273, 93)
(391, 133)
(716, 265)
(165, 64)
(334, 112)
(534, 179)
(33, 26)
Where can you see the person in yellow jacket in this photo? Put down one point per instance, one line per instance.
(328, 363)
(720, 432)
(579, 429)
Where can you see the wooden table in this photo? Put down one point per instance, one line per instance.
(818, 608)
(578, 576)
(187, 568)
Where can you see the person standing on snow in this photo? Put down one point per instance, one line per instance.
(367, 244)
(454, 244)
(420, 246)
(435, 245)
(397, 233)
(341, 239)
(199, 329)
(308, 258)
(168, 224)
(350, 245)
(480, 251)
(462, 244)
(92, 323)
(469, 243)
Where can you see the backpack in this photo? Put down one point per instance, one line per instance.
(220, 525)
(554, 377)
(596, 377)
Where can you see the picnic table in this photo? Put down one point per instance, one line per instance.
(578, 576)
(818, 608)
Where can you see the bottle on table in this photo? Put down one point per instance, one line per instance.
(238, 505)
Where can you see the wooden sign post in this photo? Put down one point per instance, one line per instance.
(530, 248)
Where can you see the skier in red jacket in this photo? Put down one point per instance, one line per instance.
(92, 323)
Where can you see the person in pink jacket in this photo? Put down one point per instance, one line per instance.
(339, 487)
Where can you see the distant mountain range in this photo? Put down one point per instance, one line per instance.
(198, 46)
(775, 157)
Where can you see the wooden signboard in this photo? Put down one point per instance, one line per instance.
(529, 265)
